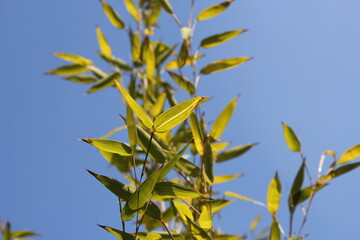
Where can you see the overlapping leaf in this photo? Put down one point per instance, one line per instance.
(223, 64)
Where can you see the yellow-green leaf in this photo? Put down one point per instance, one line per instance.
(234, 152)
(183, 54)
(209, 161)
(138, 110)
(224, 64)
(153, 236)
(223, 119)
(291, 139)
(274, 231)
(156, 152)
(159, 104)
(104, 46)
(183, 82)
(105, 82)
(81, 79)
(174, 64)
(74, 58)
(195, 129)
(166, 190)
(243, 198)
(175, 115)
(338, 172)
(255, 222)
(217, 147)
(226, 178)
(274, 195)
(131, 126)
(122, 163)
(217, 39)
(149, 58)
(135, 46)
(21, 234)
(205, 219)
(132, 9)
(121, 64)
(117, 233)
(296, 186)
(223, 236)
(305, 193)
(213, 10)
(183, 210)
(350, 154)
(112, 15)
(110, 146)
(68, 69)
(96, 71)
(218, 204)
(154, 15)
(166, 5)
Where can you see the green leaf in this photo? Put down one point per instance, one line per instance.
(121, 64)
(164, 236)
(223, 236)
(183, 210)
(104, 46)
(97, 71)
(183, 82)
(274, 195)
(154, 15)
(205, 219)
(226, 178)
(149, 57)
(81, 79)
(74, 58)
(217, 39)
(166, 5)
(197, 134)
(217, 147)
(174, 64)
(218, 204)
(6, 232)
(223, 64)
(68, 69)
(183, 54)
(110, 146)
(123, 163)
(213, 10)
(105, 82)
(196, 231)
(156, 152)
(175, 115)
(305, 193)
(296, 186)
(338, 172)
(112, 15)
(209, 161)
(171, 163)
(119, 234)
(132, 9)
(131, 127)
(139, 111)
(274, 231)
(255, 222)
(350, 154)
(291, 139)
(223, 119)
(244, 198)
(159, 104)
(234, 152)
(153, 236)
(166, 190)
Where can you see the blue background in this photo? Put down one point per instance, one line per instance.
(305, 73)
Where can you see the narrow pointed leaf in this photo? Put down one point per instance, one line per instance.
(110, 146)
(274, 231)
(224, 64)
(218, 204)
(74, 58)
(217, 147)
(112, 15)
(154, 15)
(171, 163)
(166, 190)
(244, 198)
(255, 222)
(226, 178)
(291, 139)
(195, 129)
(122, 163)
(166, 5)
(135, 46)
(117, 233)
(274, 195)
(223, 119)
(105, 82)
(6, 233)
(209, 161)
(213, 10)
(174, 65)
(156, 152)
(223, 236)
(81, 79)
(139, 111)
(149, 58)
(183, 210)
(131, 127)
(97, 71)
(164, 235)
(104, 46)
(153, 236)
(305, 193)
(196, 231)
(217, 39)
(159, 104)
(183, 54)
(112, 132)
(350, 154)
(175, 115)
(121, 64)
(234, 152)
(339, 171)
(296, 187)
(132, 9)
(68, 69)
(183, 82)
(23, 233)
(205, 219)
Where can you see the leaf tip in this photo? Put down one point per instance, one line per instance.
(92, 173)
(87, 140)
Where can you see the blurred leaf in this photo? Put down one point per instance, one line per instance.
(166, 5)
(117, 233)
(164, 236)
(110, 146)
(166, 190)
(234, 152)
(156, 151)
(131, 127)
(97, 71)
(305, 193)
(171, 163)
(149, 57)
(209, 161)
(217, 39)
(338, 172)
(274, 231)
(196, 231)
(121, 64)
(217, 147)
(274, 195)
(104, 46)
(223, 236)
(112, 132)
(223, 119)
(81, 79)
(6, 232)
(74, 58)
(255, 222)
(291, 139)
(296, 186)
(244, 198)
(159, 104)
(135, 46)
(183, 82)
(154, 15)
(112, 15)
(218, 204)
(183, 210)
(226, 178)
(132, 9)
(123, 163)
(183, 55)
(213, 10)
(350, 154)
(195, 129)
(68, 69)
(105, 82)
(174, 64)
(205, 219)
(153, 236)
(138, 110)
(175, 115)
(223, 64)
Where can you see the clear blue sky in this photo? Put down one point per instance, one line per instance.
(305, 72)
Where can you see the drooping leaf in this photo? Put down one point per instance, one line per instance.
(350, 154)
(81, 79)
(243, 198)
(209, 161)
(135, 46)
(291, 139)
(112, 15)
(166, 190)
(274, 231)
(137, 109)
(183, 54)
(223, 64)
(166, 5)
(154, 15)
(104, 46)
(217, 39)
(205, 219)
(226, 178)
(234, 152)
(213, 10)
(105, 82)
(117, 233)
(74, 58)
(338, 172)
(195, 129)
(219, 146)
(183, 82)
(175, 115)
(255, 222)
(223, 119)
(68, 69)
(274, 195)
(132, 9)
(110, 146)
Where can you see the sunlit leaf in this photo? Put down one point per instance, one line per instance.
(117, 233)
(183, 210)
(243, 198)
(123, 163)
(104, 46)
(97, 71)
(217, 39)
(338, 172)
(183, 54)
(164, 236)
(112, 132)
(154, 15)
(218, 204)
(166, 5)
(21, 234)
(153, 236)
(166, 190)
(68, 69)
(131, 8)
(159, 104)
(226, 178)
(274, 195)
(171, 163)
(350, 154)
(112, 15)
(196, 231)
(138, 110)
(255, 222)
(195, 129)
(217, 147)
(305, 193)
(174, 64)
(135, 46)
(205, 219)
(110, 146)
(121, 64)
(81, 79)
(183, 82)
(149, 57)
(74, 58)
(213, 10)
(234, 152)
(223, 119)
(105, 82)
(291, 139)
(223, 236)
(274, 231)
(223, 64)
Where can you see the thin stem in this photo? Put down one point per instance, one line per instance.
(146, 156)
(306, 168)
(176, 20)
(142, 217)
(167, 229)
(312, 194)
(191, 12)
(134, 166)
(191, 206)
(291, 223)
(122, 221)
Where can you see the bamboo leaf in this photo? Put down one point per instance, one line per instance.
(81, 79)
(154, 15)
(110, 146)
(123, 163)
(296, 186)
(171, 163)
(22, 233)
(196, 231)
(6, 232)
(291, 139)
(135, 46)
(274, 195)
(350, 154)
(243, 198)
(218, 204)
(226, 178)
(195, 129)
(153, 236)
(149, 57)
(159, 104)
(305, 193)
(223, 64)
(205, 219)
(223, 119)
(166, 190)
(183, 210)
(105, 82)
(338, 172)
(132, 9)
(217, 147)
(234, 152)
(213, 10)
(117, 233)
(139, 111)
(156, 152)
(209, 161)
(121, 64)
(104, 46)
(175, 115)
(74, 58)
(112, 15)
(174, 64)
(274, 231)
(183, 82)
(164, 236)
(223, 236)
(183, 54)
(217, 39)
(255, 222)
(96, 71)
(166, 5)
(68, 69)
(131, 127)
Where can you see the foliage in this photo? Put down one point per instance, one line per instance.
(168, 195)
